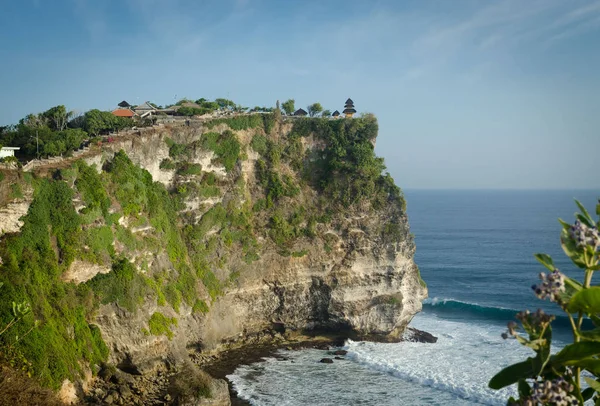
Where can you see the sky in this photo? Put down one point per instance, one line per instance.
(469, 94)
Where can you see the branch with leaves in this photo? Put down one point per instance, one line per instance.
(546, 379)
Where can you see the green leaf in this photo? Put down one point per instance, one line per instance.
(524, 389)
(595, 385)
(584, 220)
(572, 283)
(565, 225)
(590, 335)
(576, 351)
(598, 209)
(591, 364)
(571, 250)
(512, 374)
(586, 301)
(545, 260)
(585, 213)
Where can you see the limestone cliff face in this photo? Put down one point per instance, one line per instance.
(349, 275)
(346, 270)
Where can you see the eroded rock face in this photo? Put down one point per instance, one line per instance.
(364, 285)
(81, 271)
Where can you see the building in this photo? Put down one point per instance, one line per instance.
(145, 110)
(349, 108)
(300, 113)
(5, 152)
(123, 113)
(336, 114)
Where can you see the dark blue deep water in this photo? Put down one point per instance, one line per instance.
(478, 246)
(475, 251)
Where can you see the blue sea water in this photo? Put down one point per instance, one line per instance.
(475, 251)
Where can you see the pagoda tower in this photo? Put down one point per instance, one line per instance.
(349, 108)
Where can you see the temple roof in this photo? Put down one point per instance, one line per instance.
(349, 102)
(336, 113)
(346, 111)
(300, 112)
(124, 104)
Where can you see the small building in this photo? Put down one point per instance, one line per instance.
(5, 152)
(336, 114)
(349, 108)
(124, 104)
(123, 113)
(300, 113)
(145, 109)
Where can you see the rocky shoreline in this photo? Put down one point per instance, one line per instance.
(226, 362)
(117, 387)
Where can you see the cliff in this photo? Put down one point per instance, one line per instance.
(183, 239)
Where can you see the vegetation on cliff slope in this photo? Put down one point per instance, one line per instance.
(160, 249)
(58, 131)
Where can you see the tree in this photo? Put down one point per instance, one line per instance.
(33, 121)
(289, 106)
(57, 117)
(225, 103)
(314, 109)
(326, 113)
(97, 121)
(277, 112)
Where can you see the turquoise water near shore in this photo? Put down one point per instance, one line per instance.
(475, 251)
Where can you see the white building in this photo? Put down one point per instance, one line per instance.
(8, 151)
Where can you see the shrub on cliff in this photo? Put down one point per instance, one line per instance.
(33, 262)
(347, 169)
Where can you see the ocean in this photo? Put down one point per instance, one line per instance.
(475, 251)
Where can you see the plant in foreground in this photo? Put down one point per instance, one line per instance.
(547, 379)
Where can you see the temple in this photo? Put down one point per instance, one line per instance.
(349, 108)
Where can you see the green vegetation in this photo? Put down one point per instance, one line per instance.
(314, 109)
(167, 165)
(32, 264)
(89, 184)
(225, 146)
(348, 171)
(57, 132)
(187, 169)
(238, 123)
(123, 285)
(96, 122)
(200, 306)
(260, 144)
(545, 377)
(176, 150)
(159, 324)
(289, 106)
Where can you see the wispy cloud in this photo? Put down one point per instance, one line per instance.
(511, 23)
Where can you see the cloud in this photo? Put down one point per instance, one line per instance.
(511, 23)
